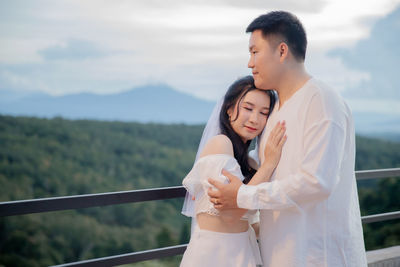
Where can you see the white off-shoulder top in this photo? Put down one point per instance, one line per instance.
(210, 166)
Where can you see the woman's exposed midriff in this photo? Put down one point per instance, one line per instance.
(225, 222)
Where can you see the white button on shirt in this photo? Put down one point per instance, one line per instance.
(309, 211)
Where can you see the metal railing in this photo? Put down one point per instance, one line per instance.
(20, 207)
(40, 205)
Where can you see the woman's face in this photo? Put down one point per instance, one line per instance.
(253, 113)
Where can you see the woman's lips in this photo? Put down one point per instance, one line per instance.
(251, 128)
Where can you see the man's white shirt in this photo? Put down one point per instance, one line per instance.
(309, 211)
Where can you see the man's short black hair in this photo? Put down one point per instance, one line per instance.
(284, 25)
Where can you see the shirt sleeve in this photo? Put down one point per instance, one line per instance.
(314, 181)
(196, 182)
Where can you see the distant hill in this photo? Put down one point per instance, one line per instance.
(384, 126)
(153, 103)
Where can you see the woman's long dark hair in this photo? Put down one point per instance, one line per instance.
(234, 95)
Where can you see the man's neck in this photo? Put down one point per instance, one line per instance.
(293, 80)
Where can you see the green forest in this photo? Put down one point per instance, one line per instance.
(58, 157)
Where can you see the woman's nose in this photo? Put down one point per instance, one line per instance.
(253, 117)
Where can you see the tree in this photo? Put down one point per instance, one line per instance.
(164, 238)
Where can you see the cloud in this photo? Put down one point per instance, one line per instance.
(73, 49)
(56, 77)
(378, 55)
(196, 46)
(306, 6)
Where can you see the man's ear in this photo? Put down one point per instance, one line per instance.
(283, 49)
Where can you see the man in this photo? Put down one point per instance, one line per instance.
(309, 211)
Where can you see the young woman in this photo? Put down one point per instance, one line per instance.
(226, 238)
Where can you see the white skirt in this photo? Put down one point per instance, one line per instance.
(208, 248)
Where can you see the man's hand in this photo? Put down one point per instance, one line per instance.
(226, 195)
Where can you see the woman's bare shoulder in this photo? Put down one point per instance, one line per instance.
(219, 144)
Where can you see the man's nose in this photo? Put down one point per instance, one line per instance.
(250, 64)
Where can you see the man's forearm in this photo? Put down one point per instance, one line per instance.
(262, 175)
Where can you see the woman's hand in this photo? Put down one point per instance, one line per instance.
(275, 142)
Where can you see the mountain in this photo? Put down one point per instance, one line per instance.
(153, 103)
(377, 124)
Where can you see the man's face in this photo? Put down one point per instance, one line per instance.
(264, 61)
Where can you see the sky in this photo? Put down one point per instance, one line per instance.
(197, 47)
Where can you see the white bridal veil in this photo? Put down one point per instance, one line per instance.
(211, 129)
